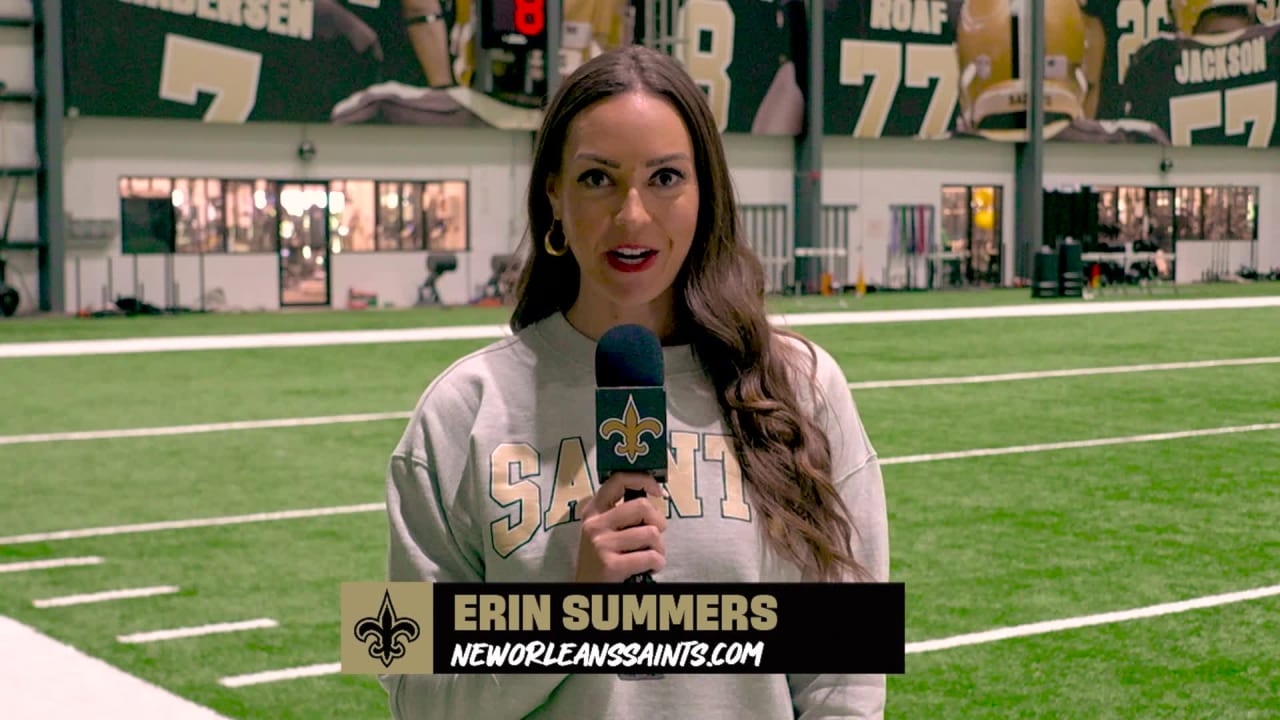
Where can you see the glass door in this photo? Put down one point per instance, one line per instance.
(304, 244)
(972, 217)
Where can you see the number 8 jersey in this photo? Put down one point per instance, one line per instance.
(1209, 89)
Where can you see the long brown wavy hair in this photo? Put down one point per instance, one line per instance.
(785, 456)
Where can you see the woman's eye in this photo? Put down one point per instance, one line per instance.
(667, 177)
(593, 179)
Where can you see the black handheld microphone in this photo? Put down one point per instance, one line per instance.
(631, 408)
(631, 417)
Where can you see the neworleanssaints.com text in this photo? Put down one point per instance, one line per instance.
(690, 653)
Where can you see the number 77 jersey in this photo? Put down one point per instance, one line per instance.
(891, 68)
(1209, 89)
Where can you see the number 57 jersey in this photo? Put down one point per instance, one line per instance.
(1209, 89)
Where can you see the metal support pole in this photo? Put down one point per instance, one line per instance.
(1029, 170)
(50, 109)
(808, 157)
(551, 60)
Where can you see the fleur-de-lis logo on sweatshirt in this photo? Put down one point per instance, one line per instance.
(632, 428)
(386, 630)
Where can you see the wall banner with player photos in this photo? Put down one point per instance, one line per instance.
(1181, 72)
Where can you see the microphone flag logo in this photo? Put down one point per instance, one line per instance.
(632, 428)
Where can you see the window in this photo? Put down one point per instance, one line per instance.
(1190, 213)
(1200, 213)
(1131, 213)
(198, 215)
(352, 215)
(146, 215)
(1242, 223)
(251, 216)
(400, 216)
(243, 215)
(444, 205)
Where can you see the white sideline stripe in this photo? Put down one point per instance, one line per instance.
(378, 507)
(1073, 623)
(60, 348)
(187, 632)
(378, 417)
(258, 678)
(105, 596)
(49, 564)
(203, 428)
(1052, 309)
(1074, 444)
(184, 524)
(1042, 374)
(41, 678)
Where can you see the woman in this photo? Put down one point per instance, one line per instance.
(771, 476)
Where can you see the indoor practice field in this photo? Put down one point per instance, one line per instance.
(1040, 472)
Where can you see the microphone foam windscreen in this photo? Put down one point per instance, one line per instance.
(629, 356)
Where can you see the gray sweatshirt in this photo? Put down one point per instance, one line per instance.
(482, 488)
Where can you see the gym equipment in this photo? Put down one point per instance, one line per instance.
(499, 285)
(437, 265)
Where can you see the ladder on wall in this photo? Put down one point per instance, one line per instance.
(35, 24)
(20, 98)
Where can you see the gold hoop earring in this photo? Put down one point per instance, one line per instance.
(546, 241)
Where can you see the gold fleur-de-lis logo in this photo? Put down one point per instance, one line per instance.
(386, 631)
(632, 428)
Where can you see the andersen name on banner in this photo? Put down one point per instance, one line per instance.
(679, 628)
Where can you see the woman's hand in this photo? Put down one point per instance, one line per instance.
(621, 539)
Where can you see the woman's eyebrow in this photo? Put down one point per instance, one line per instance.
(667, 158)
(597, 159)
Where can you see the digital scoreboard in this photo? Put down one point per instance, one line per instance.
(513, 23)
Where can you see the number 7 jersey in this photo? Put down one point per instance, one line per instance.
(1209, 89)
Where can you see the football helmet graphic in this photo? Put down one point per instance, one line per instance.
(990, 48)
(1186, 13)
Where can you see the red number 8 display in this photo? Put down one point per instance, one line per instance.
(530, 16)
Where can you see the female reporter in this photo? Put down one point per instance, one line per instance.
(772, 478)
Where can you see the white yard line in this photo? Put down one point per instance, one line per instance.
(199, 631)
(1044, 374)
(41, 678)
(203, 428)
(258, 678)
(1075, 444)
(185, 524)
(62, 348)
(1072, 623)
(314, 421)
(379, 507)
(105, 596)
(49, 564)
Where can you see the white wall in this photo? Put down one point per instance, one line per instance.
(873, 174)
(100, 151)
(393, 276)
(1101, 165)
(878, 173)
